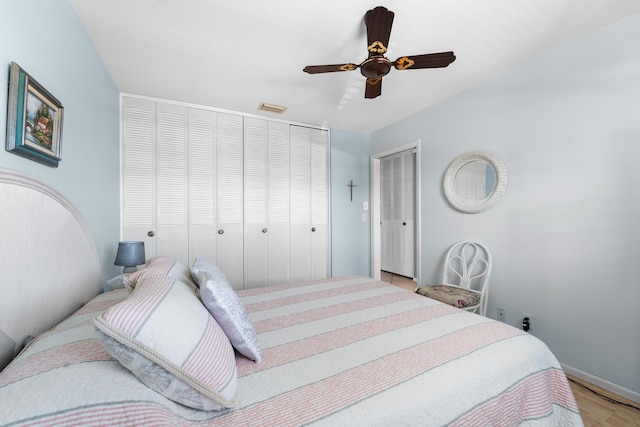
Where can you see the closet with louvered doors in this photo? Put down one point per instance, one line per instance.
(182, 183)
(251, 195)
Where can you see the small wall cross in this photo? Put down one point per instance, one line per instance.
(351, 185)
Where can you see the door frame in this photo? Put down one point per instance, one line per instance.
(376, 238)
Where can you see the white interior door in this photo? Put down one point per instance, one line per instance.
(278, 201)
(386, 215)
(396, 233)
(154, 177)
(266, 203)
(300, 152)
(172, 209)
(408, 226)
(319, 203)
(398, 212)
(309, 150)
(138, 172)
(230, 189)
(203, 230)
(256, 242)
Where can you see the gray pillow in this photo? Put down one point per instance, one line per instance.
(224, 305)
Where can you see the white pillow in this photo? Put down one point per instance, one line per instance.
(224, 305)
(168, 340)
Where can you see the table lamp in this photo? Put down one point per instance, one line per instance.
(130, 255)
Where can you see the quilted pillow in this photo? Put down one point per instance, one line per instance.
(457, 297)
(161, 266)
(163, 334)
(225, 306)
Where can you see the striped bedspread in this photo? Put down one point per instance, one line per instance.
(347, 351)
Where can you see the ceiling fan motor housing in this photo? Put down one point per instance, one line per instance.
(375, 66)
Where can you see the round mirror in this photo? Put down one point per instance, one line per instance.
(475, 181)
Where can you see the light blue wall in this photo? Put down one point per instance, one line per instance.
(565, 236)
(47, 39)
(350, 245)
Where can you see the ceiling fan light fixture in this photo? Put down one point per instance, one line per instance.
(272, 108)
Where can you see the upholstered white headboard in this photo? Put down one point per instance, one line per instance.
(48, 261)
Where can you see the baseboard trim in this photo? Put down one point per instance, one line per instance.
(609, 386)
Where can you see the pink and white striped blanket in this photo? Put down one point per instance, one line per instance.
(346, 351)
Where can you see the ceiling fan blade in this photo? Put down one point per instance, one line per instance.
(428, 60)
(316, 69)
(373, 88)
(378, 21)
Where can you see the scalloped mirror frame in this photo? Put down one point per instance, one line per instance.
(498, 191)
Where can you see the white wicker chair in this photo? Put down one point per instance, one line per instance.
(469, 264)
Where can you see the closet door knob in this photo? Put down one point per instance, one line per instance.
(404, 223)
(313, 229)
(221, 231)
(264, 230)
(151, 233)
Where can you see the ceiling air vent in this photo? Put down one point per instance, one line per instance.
(272, 108)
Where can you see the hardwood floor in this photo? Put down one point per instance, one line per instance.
(400, 281)
(599, 410)
(598, 407)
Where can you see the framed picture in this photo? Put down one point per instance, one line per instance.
(34, 119)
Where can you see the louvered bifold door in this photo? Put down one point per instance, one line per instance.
(173, 228)
(300, 151)
(256, 226)
(398, 176)
(386, 249)
(278, 202)
(397, 214)
(230, 158)
(203, 230)
(319, 203)
(138, 172)
(408, 239)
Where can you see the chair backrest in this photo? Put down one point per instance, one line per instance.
(468, 262)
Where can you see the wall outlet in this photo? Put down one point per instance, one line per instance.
(530, 318)
(364, 217)
(501, 316)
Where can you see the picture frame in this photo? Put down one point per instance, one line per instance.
(34, 119)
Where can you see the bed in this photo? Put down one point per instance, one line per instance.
(340, 351)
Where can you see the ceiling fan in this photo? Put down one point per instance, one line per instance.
(379, 21)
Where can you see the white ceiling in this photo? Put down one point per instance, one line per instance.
(236, 54)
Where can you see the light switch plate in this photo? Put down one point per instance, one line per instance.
(365, 206)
